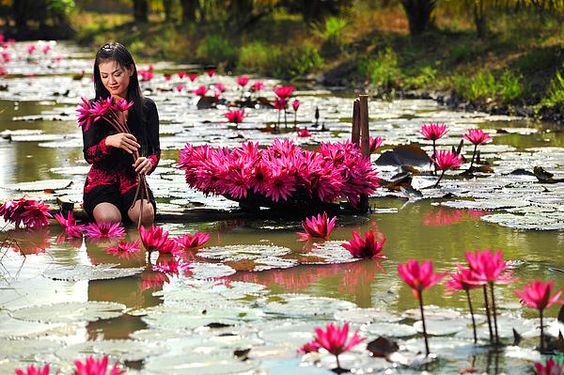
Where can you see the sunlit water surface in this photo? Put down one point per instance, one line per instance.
(155, 317)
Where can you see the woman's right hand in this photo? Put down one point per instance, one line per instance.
(125, 141)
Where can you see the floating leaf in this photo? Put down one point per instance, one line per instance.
(87, 272)
(68, 312)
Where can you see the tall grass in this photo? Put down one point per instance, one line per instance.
(216, 49)
(555, 97)
(383, 70)
(279, 61)
(485, 87)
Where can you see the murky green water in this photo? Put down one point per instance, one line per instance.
(419, 229)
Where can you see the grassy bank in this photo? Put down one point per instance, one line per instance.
(517, 67)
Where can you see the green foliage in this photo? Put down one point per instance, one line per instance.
(61, 8)
(215, 49)
(555, 96)
(331, 32)
(485, 86)
(426, 76)
(281, 62)
(383, 71)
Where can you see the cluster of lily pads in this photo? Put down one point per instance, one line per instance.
(9, 54)
(90, 366)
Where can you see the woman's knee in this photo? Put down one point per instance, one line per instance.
(106, 213)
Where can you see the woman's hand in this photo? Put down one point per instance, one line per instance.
(125, 141)
(142, 165)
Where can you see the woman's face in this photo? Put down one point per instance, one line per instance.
(115, 77)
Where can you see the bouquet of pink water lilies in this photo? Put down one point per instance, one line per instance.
(282, 173)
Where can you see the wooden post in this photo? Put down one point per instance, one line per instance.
(364, 132)
(355, 137)
(364, 142)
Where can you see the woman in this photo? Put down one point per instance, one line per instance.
(112, 181)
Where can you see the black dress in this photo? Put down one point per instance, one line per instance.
(112, 178)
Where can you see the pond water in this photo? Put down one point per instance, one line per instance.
(254, 286)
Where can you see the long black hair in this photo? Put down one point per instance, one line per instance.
(117, 52)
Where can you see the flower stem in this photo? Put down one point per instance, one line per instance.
(424, 326)
(338, 363)
(472, 315)
(285, 120)
(488, 312)
(473, 156)
(542, 332)
(434, 154)
(440, 178)
(278, 125)
(295, 119)
(494, 313)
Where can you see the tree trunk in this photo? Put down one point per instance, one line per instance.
(168, 8)
(418, 14)
(140, 10)
(480, 19)
(21, 13)
(189, 8)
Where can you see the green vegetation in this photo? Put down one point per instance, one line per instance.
(491, 53)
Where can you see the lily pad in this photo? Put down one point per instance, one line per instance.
(41, 185)
(26, 349)
(207, 271)
(86, 272)
(69, 312)
(302, 306)
(125, 350)
(328, 252)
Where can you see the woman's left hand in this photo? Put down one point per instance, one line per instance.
(142, 165)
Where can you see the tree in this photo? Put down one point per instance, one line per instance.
(418, 14)
(140, 10)
(189, 8)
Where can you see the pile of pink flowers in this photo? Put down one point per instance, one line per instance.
(90, 366)
(30, 213)
(282, 172)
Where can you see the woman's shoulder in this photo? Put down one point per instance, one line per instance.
(149, 104)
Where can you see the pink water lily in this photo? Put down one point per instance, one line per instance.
(335, 339)
(433, 131)
(309, 347)
(104, 230)
(31, 48)
(122, 105)
(211, 72)
(189, 241)
(242, 81)
(367, 247)
(257, 86)
(476, 137)
(304, 133)
(284, 92)
(32, 370)
(420, 277)
(154, 238)
(201, 91)
(375, 143)
(446, 160)
(46, 49)
(295, 105)
(30, 213)
(85, 118)
(550, 367)
(318, 227)
(192, 77)
(181, 74)
(235, 117)
(537, 294)
(125, 249)
(167, 77)
(489, 268)
(172, 267)
(92, 366)
(69, 223)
